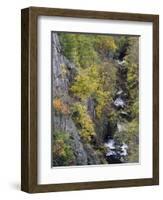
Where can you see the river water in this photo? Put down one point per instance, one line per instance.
(116, 153)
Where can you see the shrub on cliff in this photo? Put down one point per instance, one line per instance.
(62, 150)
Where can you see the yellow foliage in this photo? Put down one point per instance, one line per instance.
(101, 98)
(109, 43)
(89, 82)
(86, 82)
(83, 119)
(106, 43)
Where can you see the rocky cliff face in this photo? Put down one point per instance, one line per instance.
(63, 73)
(60, 89)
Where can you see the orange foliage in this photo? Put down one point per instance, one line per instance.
(60, 106)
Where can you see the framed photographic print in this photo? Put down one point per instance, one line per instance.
(90, 100)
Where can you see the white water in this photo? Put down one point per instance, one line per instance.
(119, 102)
(114, 149)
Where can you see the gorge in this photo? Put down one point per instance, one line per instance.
(94, 99)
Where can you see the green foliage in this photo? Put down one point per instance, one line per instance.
(133, 76)
(62, 151)
(69, 45)
(132, 127)
(83, 121)
(133, 154)
(86, 53)
(79, 49)
(134, 108)
(113, 117)
(84, 49)
(108, 74)
(133, 50)
(121, 42)
(132, 65)
(131, 137)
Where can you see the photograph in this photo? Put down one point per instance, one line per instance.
(94, 99)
